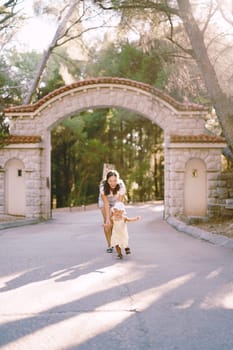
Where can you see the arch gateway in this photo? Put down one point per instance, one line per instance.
(192, 157)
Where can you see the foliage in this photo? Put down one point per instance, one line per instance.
(54, 83)
(82, 144)
(158, 66)
(76, 163)
(9, 20)
(19, 68)
(22, 66)
(129, 61)
(207, 43)
(9, 94)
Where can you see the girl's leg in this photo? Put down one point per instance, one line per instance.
(127, 250)
(118, 249)
(107, 230)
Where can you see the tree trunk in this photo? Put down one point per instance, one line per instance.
(221, 102)
(42, 64)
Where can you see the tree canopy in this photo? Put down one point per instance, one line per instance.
(196, 20)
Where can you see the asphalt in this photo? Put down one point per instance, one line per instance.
(60, 290)
(10, 221)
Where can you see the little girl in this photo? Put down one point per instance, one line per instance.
(120, 231)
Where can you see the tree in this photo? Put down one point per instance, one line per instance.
(221, 101)
(83, 143)
(9, 17)
(77, 160)
(128, 60)
(42, 64)
(9, 94)
(182, 10)
(21, 68)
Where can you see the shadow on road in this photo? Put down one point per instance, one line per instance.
(60, 290)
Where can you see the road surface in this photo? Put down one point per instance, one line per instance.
(60, 290)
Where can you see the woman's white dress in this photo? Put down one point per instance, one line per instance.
(120, 233)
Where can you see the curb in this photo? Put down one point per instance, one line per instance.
(198, 233)
(17, 223)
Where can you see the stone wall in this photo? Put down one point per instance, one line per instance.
(223, 190)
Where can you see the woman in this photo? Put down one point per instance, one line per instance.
(112, 190)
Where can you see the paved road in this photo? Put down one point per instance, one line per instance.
(61, 291)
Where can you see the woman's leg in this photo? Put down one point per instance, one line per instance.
(107, 229)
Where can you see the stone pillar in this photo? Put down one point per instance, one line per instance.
(30, 155)
(174, 193)
(2, 190)
(46, 177)
(179, 153)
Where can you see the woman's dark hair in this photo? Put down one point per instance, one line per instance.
(106, 184)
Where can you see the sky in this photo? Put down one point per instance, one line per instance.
(36, 33)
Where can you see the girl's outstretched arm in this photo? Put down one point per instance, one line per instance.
(135, 218)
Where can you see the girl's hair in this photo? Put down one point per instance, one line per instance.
(106, 184)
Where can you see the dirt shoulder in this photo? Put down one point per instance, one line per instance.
(222, 226)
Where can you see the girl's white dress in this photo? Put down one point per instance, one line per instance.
(120, 233)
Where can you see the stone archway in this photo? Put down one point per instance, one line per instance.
(30, 127)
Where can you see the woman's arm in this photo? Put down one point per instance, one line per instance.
(111, 221)
(121, 197)
(106, 208)
(122, 192)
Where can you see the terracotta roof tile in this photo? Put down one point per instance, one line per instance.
(11, 139)
(108, 80)
(197, 138)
